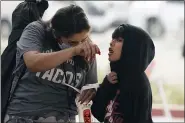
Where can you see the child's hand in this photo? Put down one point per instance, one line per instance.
(112, 77)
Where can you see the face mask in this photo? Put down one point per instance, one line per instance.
(64, 46)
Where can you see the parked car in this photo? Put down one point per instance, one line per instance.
(102, 14)
(105, 14)
(157, 17)
(7, 7)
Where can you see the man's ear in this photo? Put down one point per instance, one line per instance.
(54, 33)
(56, 36)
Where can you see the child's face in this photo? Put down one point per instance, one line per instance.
(115, 49)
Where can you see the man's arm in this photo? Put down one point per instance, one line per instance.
(30, 47)
(37, 62)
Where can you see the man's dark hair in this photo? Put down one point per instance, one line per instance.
(69, 20)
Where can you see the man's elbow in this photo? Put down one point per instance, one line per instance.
(32, 62)
(33, 67)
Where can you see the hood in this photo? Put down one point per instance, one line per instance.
(137, 52)
(27, 12)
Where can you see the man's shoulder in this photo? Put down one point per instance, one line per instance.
(36, 25)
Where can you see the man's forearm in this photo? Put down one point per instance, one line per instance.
(45, 61)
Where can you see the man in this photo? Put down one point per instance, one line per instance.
(57, 54)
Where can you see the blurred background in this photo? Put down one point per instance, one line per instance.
(163, 20)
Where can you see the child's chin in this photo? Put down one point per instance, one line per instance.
(110, 59)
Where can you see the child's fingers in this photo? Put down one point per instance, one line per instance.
(112, 74)
(97, 50)
(114, 78)
(114, 81)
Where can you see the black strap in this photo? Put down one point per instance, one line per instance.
(16, 78)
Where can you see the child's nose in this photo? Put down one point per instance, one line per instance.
(112, 42)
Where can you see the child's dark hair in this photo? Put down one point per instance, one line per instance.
(69, 20)
(118, 32)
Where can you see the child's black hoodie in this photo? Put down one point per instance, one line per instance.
(130, 100)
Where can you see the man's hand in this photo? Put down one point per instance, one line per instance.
(87, 95)
(87, 49)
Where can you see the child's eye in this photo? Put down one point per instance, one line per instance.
(117, 40)
(120, 39)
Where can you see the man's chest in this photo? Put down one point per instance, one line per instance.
(66, 73)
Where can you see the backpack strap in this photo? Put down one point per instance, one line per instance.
(17, 75)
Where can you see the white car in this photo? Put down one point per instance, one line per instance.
(105, 14)
(157, 17)
(101, 14)
(89, 7)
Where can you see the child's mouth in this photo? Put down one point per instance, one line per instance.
(110, 51)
